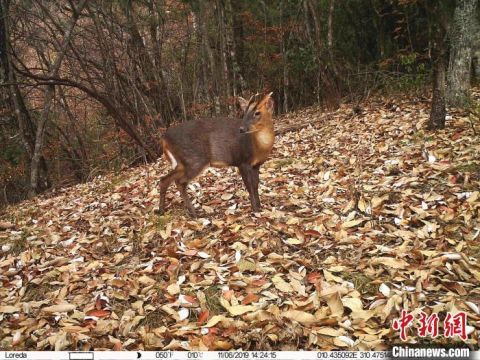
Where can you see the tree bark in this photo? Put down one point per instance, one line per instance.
(210, 72)
(438, 109)
(284, 64)
(223, 52)
(25, 125)
(49, 94)
(325, 80)
(16, 100)
(238, 82)
(459, 67)
(3, 41)
(330, 29)
(438, 112)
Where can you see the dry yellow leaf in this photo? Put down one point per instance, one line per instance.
(300, 316)
(145, 280)
(64, 307)
(335, 305)
(281, 284)
(351, 223)
(216, 319)
(227, 196)
(390, 262)
(9, 309)
(241, 309)
(173, 289)
(246, 265)
(330, 331)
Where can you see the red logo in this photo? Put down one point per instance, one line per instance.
(401, 324)
(455, 325)
(452, 325)
(428, 325)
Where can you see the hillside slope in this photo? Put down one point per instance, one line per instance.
(363, 215)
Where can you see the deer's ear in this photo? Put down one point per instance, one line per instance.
(242, 102)
(268, 101)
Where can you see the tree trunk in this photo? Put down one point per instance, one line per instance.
(209, 63)
(225, 74)
(459, 67)
(326, 81)
(25, 124)
(238, 82)
(3, 41)
(49, 94)
(330, 30)
(438, 112)
(285, 79)
(476, 64)
(476, 52)
(331, 56)
(5, 67)
(284, 63)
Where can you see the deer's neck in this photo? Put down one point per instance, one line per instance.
(262, 143)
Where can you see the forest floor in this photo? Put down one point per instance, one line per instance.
(364, 215)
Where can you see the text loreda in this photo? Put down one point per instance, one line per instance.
(15, 355)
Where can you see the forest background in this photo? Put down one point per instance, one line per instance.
(88, 87)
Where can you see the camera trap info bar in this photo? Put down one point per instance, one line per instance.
(80, 355)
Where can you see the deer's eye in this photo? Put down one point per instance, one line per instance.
(257, 113)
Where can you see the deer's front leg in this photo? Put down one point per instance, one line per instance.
(250, 179)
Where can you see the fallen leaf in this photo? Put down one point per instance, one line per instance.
(63, 307)
(202, 317)
(241, 309)
(98, 313)
(9, 309)
(390, 262)
(300, 316)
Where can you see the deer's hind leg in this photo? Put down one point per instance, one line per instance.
(182, 187)
(191, 171)
(165, 183)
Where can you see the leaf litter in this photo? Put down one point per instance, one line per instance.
(363, 216)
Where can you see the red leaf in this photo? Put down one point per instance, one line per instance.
(190, 299)
(208, 340)
(213, 330)
(203, 317)
(314, 277)
(231, 330)
(259, 282)
(312, 232)
(457, 135)
(227, 295)
(249, 299)
(98, 313)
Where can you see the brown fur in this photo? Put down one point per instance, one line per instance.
(198, 144)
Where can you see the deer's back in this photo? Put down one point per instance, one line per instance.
(215, 142)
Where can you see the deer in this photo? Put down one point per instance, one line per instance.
(244, 142)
